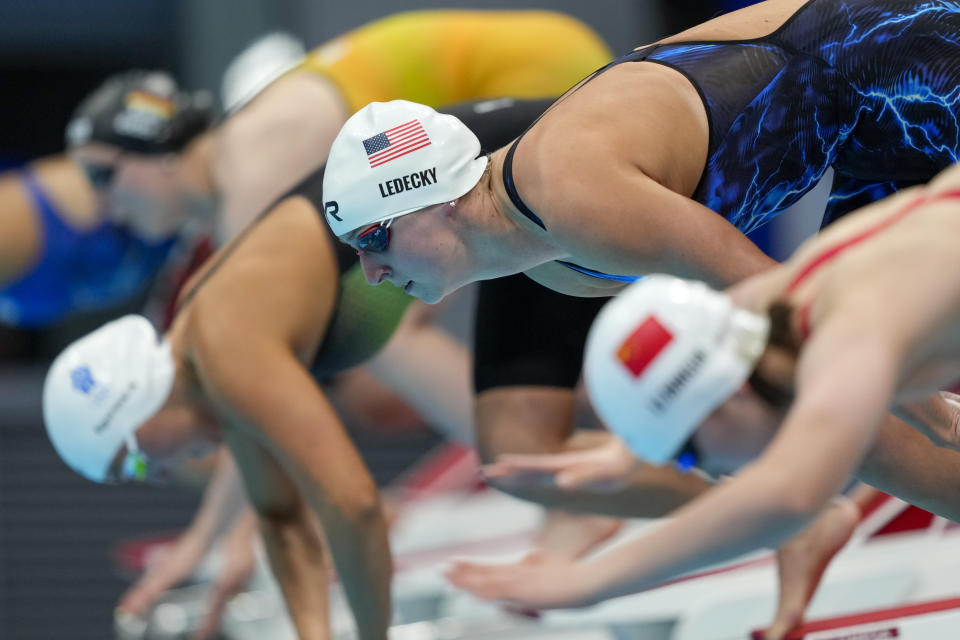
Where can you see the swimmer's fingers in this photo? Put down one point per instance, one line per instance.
(593, 476)
(602, 468)
(515, 464)
(216, 604)
(953, 428)
(534, 583)
(175, 566)
(239, 561)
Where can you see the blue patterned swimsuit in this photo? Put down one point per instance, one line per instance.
(868, 87)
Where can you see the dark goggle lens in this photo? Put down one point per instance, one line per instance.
(99, 175)
(376, 239)
(688, 457)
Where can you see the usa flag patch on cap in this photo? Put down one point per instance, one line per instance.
(395, 143)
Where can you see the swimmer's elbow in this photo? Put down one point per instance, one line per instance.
(802, 503)
(361, 507)
(791, 496)
(278, 509)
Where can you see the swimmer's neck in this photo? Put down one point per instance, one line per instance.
(196, 173)
(187, 393)
(512, 238)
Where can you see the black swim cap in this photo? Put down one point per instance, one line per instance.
(142, 112)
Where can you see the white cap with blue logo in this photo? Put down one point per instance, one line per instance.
(101, 388)
(394, 158)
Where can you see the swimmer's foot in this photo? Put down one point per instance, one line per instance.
(802, 561)
(571, 536)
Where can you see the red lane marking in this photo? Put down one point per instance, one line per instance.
(879, 615)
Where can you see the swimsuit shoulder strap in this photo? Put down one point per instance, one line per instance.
(508, 182)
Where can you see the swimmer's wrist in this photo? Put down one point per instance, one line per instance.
(597, 581)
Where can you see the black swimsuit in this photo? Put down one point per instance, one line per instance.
(871, 88)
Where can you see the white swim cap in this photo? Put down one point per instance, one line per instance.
(393, 158)
(664, 354)
(102, 388)
(257, 66)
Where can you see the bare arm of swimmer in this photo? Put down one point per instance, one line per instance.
(21, 241)
(21, 230)
(294, 546)
(612, 189)
(298, 429)
(904, 463)
(272, 144)
(838, 408)
(249, 353)
(223, 501)
(522, 419)
(239, 562)
(937, 417)
(431, 371)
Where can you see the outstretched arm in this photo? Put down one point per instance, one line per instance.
(431, 371)
(294, 546)
(222, 501)
(844, 384)
(540, 420)
(303, 457)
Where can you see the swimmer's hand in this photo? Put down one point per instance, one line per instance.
(539, 581)
(176, 564)
(937, 417)
(239, 561)
(607, 468)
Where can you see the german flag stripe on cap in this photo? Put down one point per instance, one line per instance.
(152, 103)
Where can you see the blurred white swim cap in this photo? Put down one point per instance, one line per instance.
(102, 388)
(257, 66)
(393, 158)
(664, 354)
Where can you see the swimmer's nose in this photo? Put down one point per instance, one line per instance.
(373, 272)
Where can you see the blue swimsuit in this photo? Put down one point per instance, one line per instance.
(78, 269)
(868, 87)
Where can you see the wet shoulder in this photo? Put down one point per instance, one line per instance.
(67, 189)
(20, 232)
(284, 246)
(632, 121)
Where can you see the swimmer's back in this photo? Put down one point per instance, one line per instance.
(893, 260)
(442, 57)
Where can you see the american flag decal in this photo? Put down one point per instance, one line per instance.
(395, 143)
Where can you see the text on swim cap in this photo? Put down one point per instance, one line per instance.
(332, 208)
(408, 182)
(679, 381)
(112, 412)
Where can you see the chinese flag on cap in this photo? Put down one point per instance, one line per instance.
(643, 345)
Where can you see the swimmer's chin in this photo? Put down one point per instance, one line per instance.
(413, 289)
